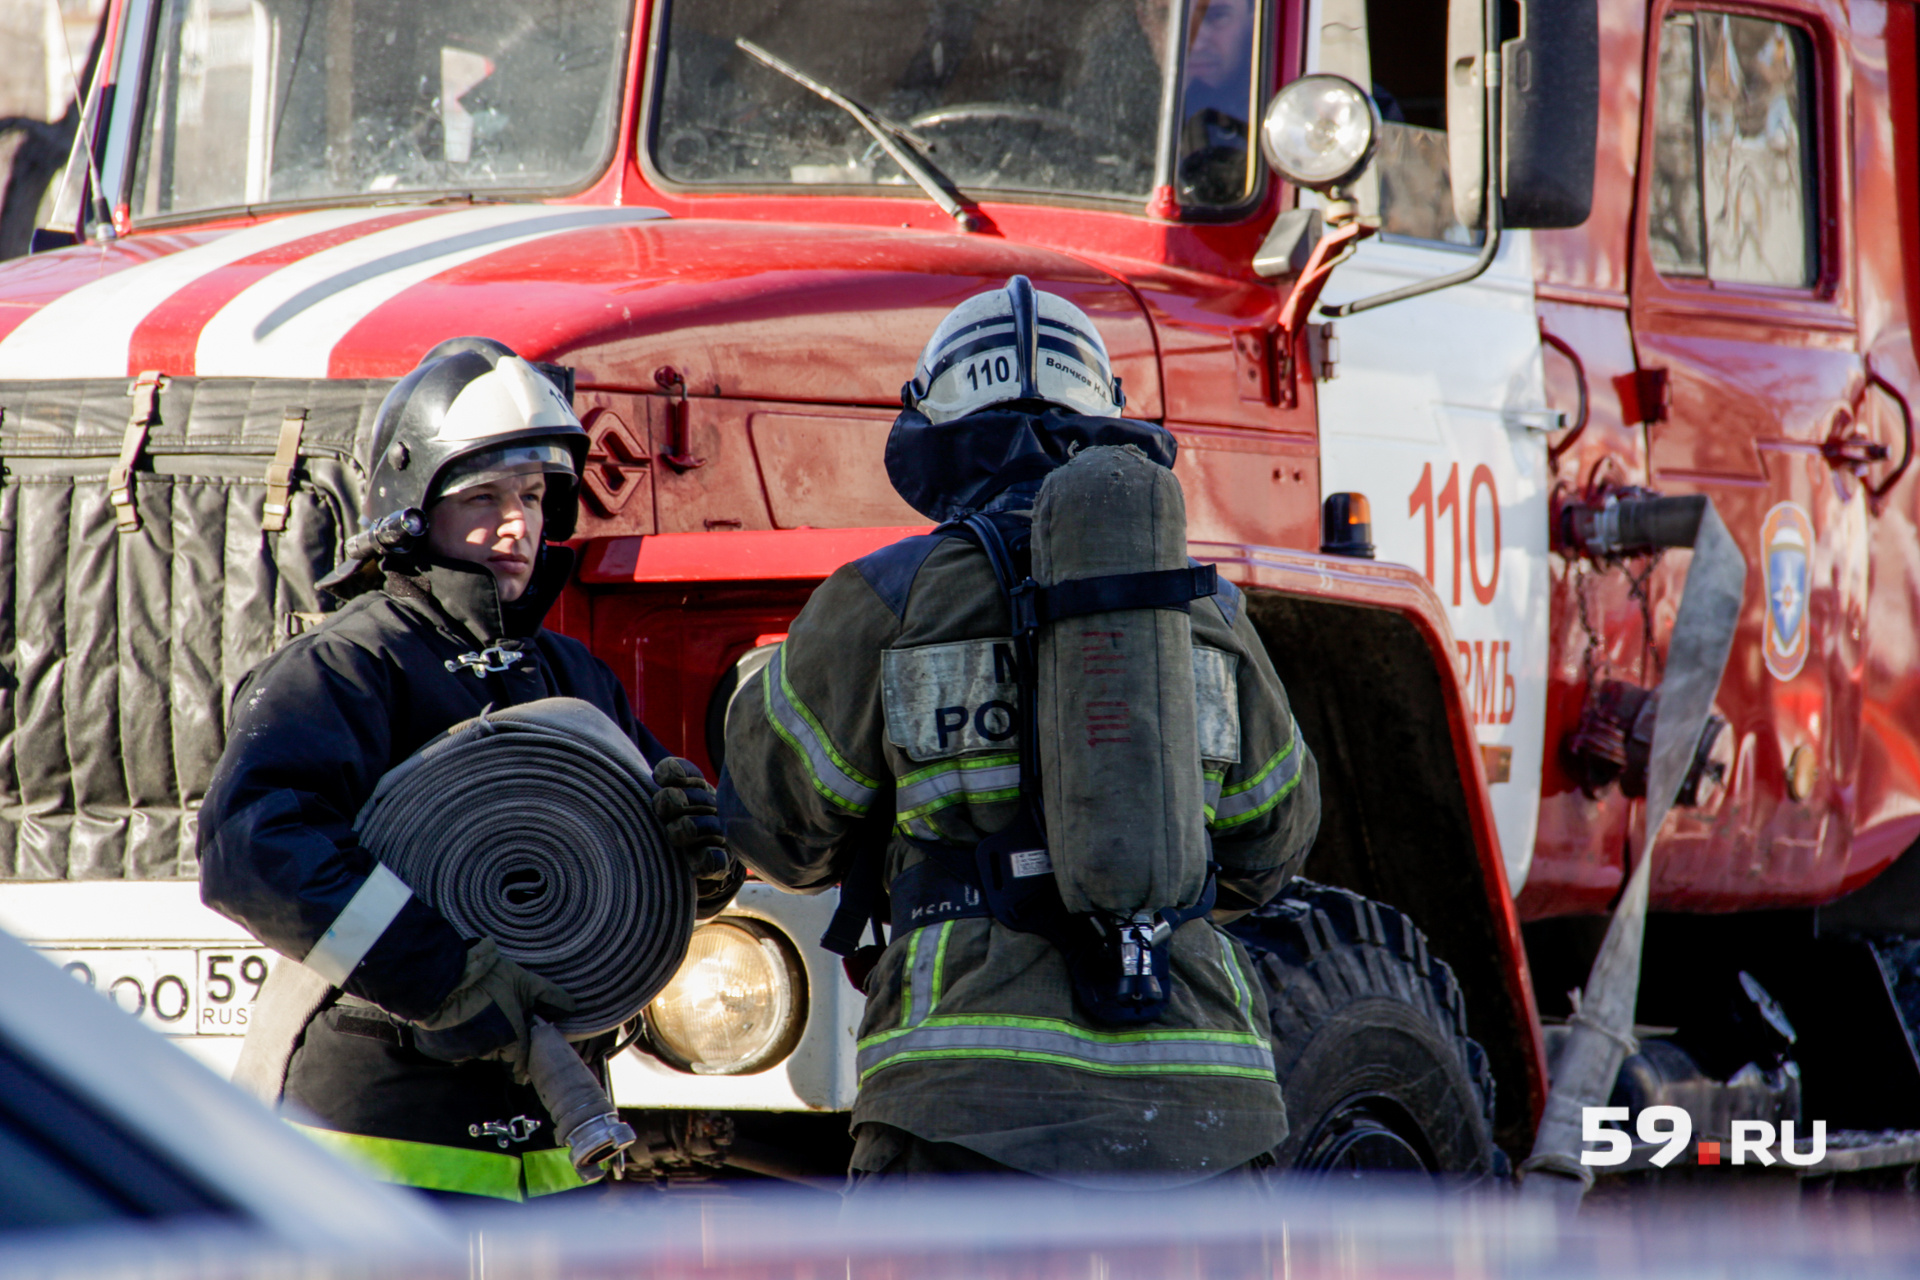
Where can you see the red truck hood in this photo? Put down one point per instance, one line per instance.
(753, 310)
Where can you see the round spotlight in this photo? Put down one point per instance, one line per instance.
(737, 1005)
(1320, 131)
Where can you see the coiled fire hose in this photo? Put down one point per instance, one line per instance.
(534, 827)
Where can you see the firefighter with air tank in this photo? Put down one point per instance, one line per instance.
(1047, 753)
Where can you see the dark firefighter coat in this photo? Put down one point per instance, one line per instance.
(971, 1034)
(312, 730)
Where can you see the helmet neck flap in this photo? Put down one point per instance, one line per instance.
(997, 458)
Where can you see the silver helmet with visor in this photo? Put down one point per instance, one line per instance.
(1014, 344)
(472, 412)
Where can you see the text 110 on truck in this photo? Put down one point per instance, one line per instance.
(1599, 305)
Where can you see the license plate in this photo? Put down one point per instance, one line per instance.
(176, 990)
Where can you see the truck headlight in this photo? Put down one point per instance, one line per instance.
(738, 1003)
(1319, 131)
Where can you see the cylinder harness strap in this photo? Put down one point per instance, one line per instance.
(1119, 967)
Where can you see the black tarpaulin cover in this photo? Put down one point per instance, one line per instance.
(119, 650)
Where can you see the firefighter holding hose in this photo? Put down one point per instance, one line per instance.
(404, 1044)
(1050, 752)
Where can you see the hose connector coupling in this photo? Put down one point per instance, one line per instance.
(583, 1116)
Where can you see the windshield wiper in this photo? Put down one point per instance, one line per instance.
(916, 166)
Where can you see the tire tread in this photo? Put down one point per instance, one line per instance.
(1348, 947)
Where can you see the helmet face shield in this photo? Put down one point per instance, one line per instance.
(539, 457)
(1016, 343)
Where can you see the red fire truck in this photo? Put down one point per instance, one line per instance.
(1561, 263)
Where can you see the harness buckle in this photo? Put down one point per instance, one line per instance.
(491, 660)
(1138, 934)
(1024, 600)
(518, 1129)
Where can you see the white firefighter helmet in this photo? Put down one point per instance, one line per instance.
(1016, 343)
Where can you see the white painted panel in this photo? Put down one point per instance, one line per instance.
(1431, 394)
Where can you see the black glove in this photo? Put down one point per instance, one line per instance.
(489, 1014)
(686, 808)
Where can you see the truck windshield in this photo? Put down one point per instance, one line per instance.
(253, 102)
(1002, 95)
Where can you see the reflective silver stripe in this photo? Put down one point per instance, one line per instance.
(1212, 782)
(920, 829)
(358, 926)
(1266, 789)
(1241, 988)
(1223, 1053)
(925, 959)
(831, 775)
(914, 798)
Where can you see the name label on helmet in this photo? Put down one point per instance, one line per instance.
(944, 700)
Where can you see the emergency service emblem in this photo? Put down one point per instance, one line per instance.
(1787, 539)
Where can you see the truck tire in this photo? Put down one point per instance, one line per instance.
(1370, 1041)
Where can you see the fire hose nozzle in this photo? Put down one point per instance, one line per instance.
(583, 1116)
(1631, 522)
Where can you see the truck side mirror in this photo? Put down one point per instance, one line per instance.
(1550, 112)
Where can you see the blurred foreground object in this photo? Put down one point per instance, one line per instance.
(102, 1122)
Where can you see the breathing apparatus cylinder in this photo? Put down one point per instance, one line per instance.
(1118, 732)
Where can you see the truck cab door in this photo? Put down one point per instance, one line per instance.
(1438, 414)
(1748, 379)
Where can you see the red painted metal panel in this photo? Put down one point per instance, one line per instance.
(673, 645)
(822, 313)
(774, 555)
(1886, 140)
(1760, 377)
(1600, 628)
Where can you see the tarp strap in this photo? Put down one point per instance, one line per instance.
(286, 456)
(146, 411)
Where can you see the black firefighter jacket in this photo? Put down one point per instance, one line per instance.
(313, 729)
(316, 725)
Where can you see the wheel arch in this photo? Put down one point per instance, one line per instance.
(1363, 650)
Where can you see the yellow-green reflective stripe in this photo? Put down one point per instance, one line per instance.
(426, 1165)
(940, 964)
(829, 772)
(914, 979)
(1047, 1040)
(550, 1172)
(1256, 1072)
(1246, 801)
(918, 828)
(1019, 1022)
(1242, 989)
(981, 780)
